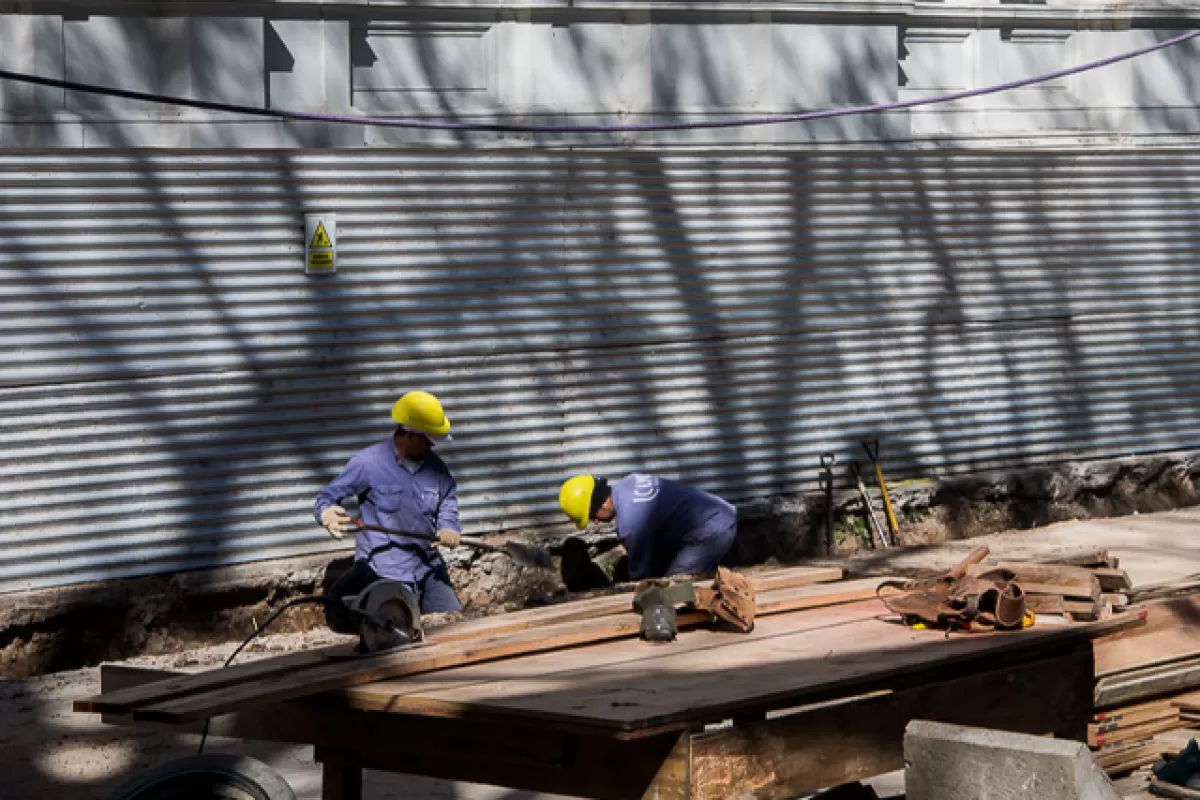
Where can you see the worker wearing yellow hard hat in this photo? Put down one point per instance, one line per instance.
(399, 483)
(667, 528)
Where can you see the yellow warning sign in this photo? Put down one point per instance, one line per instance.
(321, 239)
(320, 260)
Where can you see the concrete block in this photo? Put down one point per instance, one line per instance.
(953, 762)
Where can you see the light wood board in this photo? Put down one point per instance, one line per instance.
(776, 580)
(184, 706)
(631, 685)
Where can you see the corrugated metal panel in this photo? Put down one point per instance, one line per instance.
(174, 389)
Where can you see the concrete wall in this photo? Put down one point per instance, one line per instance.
(603, 62)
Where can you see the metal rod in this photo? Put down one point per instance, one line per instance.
(866, 498)
(827, 462)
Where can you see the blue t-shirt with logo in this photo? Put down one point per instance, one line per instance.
(657, 518)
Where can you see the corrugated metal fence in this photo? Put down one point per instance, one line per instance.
(174, 390)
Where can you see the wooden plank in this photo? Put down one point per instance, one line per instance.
(1067, 591)
(495, 625)
(1098, 558)
(115, 677)
(1083, 610)
(1135, 757)
(1128, 712)
(1113, 580)
(1184, 587)
(1172, 631)
(1045, 604)
(337, 675)
(1076, 583)
(771, 580)
(389, 695)
(1114, 722)
(1116, 752)
(801, 753)
(1135, 733)
(549, 671)
(787, 661)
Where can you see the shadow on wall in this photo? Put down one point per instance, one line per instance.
(719, 315)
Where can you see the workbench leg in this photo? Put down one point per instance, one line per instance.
(340, 781)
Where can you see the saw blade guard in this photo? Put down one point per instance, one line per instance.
(390, 616)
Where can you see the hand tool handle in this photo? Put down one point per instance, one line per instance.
(827, 461)
(478, 545)
(872, 448)
(960, 570)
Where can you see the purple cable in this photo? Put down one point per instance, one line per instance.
(495, 127)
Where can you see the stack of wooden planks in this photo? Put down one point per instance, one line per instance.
(1146, 684)
(541, 630)
(1084, 591)
(1189, 709)
(1132, 724)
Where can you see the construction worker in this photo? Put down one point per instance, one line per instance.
(400, 483)
(667, 528)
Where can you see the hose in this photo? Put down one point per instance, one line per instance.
(308, 598)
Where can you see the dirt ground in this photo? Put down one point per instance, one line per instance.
(49, 752)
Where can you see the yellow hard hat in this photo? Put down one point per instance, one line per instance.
(421, 412)
(575, 499)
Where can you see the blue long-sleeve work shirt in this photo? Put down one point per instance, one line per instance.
(668, 527)
(422, 499)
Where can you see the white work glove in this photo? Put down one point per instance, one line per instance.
(448, 537)
(336, 521)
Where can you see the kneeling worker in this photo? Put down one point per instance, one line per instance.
(666, 527)
(400, 483)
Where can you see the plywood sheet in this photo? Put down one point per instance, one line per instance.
(632, 685)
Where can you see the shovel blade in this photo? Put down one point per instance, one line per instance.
(528, 555)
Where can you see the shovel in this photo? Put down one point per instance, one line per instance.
(524, 554)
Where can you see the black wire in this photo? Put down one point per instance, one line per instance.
(309, 598)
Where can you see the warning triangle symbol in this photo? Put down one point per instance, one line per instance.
(321, 238)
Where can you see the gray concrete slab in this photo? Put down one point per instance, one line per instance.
(955, 762)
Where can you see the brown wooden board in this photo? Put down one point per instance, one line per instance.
(1135, 757)
(1135, 733)
(436, 656)
(1119, 722)
(1104, 733)
(788, 660)
(1113, 580)
(766, 581)
(1082, 610)
(1081, 578)
(770, 580)
(800, 753)
(1172, 632)
(1131, 712)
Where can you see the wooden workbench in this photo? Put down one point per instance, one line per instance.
(810, 699)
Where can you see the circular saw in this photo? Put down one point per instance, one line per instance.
(389, 616)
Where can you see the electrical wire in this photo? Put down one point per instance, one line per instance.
(308, 598)
(496, 127)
